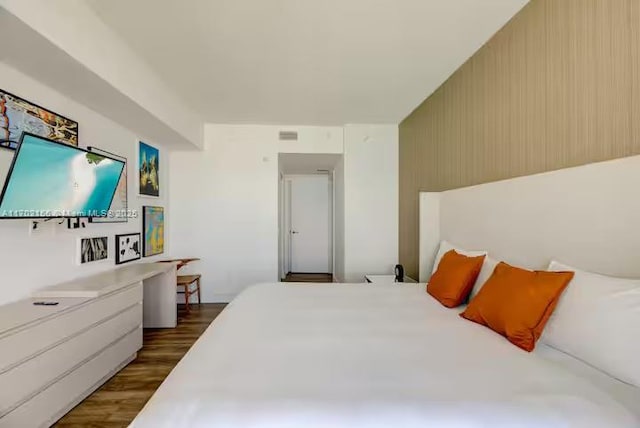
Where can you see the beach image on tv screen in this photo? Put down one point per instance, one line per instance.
(52, 180)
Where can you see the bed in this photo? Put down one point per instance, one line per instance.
(374, 355)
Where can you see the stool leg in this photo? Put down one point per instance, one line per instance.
(186, 297)
(198, 289)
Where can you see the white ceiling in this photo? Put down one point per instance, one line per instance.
(306, 62)
(297, 163)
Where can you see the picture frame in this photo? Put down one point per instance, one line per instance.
(148, 170)
(119, 205)
(153, 230)
(128, 248)
(18, 115)
(92, 249)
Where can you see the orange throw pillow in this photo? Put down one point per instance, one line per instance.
(517, 303)
(453, 281)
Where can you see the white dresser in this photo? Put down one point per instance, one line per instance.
(52, 357)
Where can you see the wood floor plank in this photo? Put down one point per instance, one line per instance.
(117, 402)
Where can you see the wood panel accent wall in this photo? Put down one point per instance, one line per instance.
(558, 86)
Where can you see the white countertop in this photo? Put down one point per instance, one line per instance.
(104, 282)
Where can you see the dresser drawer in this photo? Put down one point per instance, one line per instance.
(30, 341)
(52, 403)
(25, 380)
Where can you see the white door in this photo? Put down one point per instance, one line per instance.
(309, 231)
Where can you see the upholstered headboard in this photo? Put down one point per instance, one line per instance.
(587, 216)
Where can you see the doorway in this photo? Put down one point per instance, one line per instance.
(306, 217)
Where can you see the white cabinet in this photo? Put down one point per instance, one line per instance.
(52, 357)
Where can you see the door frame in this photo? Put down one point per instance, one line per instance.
(284, 219)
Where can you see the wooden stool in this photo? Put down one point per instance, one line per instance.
(186, 281)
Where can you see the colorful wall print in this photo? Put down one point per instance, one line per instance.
(153, 227)
(93, 249)
(18, 115)
(127, 248)
(148, 170)
(118, 209)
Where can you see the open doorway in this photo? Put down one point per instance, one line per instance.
(306, 217)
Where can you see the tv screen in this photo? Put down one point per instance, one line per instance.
(51, 179)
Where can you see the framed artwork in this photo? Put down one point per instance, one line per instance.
(93, 249)
(118, 208)
(18, 115)
(153, 229)
(148, 170)
(127, 248)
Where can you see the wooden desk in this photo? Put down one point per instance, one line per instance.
(181, 262)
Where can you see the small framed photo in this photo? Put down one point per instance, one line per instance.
(128, 248)
(153, 229)
(93, 249)
(148, 170)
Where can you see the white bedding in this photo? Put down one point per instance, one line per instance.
(365, 355)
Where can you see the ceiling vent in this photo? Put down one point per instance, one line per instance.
(288, 136)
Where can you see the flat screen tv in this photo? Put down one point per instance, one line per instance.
(50, 179)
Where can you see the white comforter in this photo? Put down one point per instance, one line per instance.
(361, 355)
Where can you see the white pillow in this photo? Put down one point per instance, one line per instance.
(597, 320)
(445, 247)
(487, 269)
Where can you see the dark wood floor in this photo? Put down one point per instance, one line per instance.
(119, 400)
(309, 277)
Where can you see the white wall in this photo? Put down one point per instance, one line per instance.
(225, 202)
(311, 139)
(30, 262)
(370, 200)
(338, 222)
(282, 225)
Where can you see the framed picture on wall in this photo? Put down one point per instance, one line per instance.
(18, 115)
(93, 249)
(148, 170)
(153, 229)
(118, 209)
(128, 248)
